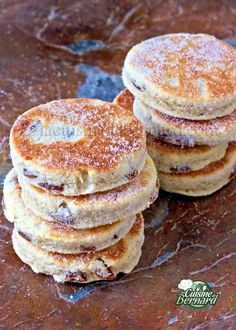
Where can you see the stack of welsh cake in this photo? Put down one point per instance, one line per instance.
(80, 180)
(184, 89)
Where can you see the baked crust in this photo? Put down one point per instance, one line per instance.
(77, 146)
(184, 75)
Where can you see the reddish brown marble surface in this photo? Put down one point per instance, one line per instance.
(42, 58)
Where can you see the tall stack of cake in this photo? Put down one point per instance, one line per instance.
(184, 92)
(81, 178)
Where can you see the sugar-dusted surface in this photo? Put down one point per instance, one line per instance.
(170, 148)
(197, 67)
(108, 133)
(185, 237)
(220, 125)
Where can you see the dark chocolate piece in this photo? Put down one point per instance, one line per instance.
(181, 169)
(51, 187)
(27, 237)
(63, 214)
(88, 248)
(140, 88)
(34, 126)
(30, 174)
(132, 175)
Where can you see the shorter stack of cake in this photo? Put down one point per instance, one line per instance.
(184, 88)
(81, 178)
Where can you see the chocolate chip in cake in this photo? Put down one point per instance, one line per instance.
(140, 88)
(132, 175)
(34, 126)
(27, 237)
(181, 169)
(30, 174)
(63, 214)
(51, 187)
(89, 248)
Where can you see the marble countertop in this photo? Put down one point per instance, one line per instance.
(61, 49)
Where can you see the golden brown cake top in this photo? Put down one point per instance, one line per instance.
(125, 100)
(77, 133)
(188, 66)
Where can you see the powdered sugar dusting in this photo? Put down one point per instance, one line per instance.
(223, 124)
(110, 133)
(183, 60)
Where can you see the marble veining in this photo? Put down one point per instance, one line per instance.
(99, 84)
